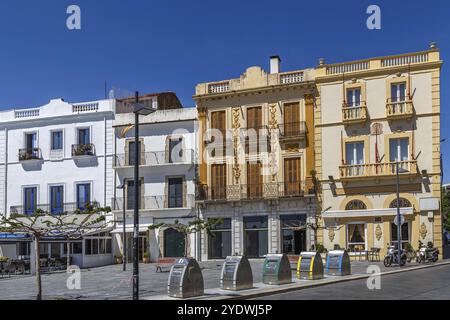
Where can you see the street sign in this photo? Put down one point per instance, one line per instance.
(402, 220)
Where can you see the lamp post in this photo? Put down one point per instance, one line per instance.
(124, 232)
(399, 221)
(138, 109)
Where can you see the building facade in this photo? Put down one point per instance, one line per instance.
(372, 115)
(167, 149)
(57, 158)
(256, 149)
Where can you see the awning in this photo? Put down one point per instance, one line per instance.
(129, 228)
(367, 213)
(9, 236)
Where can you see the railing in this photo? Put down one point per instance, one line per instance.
(62, 209)
(347, 67)
(404, 60)
(26, 113)
(294, 77)
(219, 87)
(292, 130)
(155, 158)
(354, 113)
(86, 107)
(255, 191)
(30, 154)
(155, 202)
(399, 109)
(377, 169)
(81, 150)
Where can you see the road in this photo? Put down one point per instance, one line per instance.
(429, 283)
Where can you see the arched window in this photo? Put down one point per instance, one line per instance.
(356, 205)
(404, 203)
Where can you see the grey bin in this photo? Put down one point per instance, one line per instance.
(277, 269)
(185, 279)
(236, 274)
(310, 266)
(338, 263)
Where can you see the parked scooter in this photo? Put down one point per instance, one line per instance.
(392, 257)
(427, 253)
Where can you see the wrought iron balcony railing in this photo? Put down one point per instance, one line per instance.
(155, 158)
(30, 154)
(82, 150)
(403, 109)
(292, 130)
(377, 169)
(157, 202)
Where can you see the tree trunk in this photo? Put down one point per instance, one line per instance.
(38, 268)
(68, 257)
(186, 245)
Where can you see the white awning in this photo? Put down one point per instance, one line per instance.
(367, 213)
(129, 228)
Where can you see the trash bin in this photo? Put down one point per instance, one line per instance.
(277, 269)
(338, 263)
(310, 266)
(185, 279)
(236, 274)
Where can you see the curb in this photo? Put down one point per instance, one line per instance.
(296, 287)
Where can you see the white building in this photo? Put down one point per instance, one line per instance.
(167, 173)
(57, 157)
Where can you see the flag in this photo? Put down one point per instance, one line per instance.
(125, 130)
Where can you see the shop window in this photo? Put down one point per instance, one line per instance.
(356, 237)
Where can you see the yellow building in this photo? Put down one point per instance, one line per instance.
(256, 147)
(369, 115)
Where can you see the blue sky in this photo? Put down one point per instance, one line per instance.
(161, 45)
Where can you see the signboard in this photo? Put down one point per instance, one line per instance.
(402, 220)
(429, 204)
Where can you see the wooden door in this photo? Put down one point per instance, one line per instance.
(218, 181)
(218, 122)
(292, 176)
(291, 119)
(254, 180)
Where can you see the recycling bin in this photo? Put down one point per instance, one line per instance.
(277, 269)
(185, 279)
(338, 263)
(310, 266)
(236, 274)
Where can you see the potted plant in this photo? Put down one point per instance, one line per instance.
(119, 259)
(3, 259)
(146, 257)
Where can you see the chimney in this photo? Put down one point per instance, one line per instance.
(275, 64)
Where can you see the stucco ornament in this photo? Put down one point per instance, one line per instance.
(236, 127)
(331, 235)
(378, 232)
(423, 230)
(273, 127)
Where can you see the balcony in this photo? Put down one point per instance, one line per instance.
(63, 209)
(354, 114)
(30, 154)
(396, 110)
(256, 191)
(388, 169)
(159, 202)
(155, 158)
(293, 131)
(83, 150)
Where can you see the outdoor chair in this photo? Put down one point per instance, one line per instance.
(374, 255)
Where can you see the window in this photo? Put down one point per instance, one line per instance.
(398, 92)
(404, 203)
(254, 125)
(83, 195)
(219, 242)
(132, 153)
(354, 155)
(218, 181)
(97, 246)
(31, 141)
(30, 200)
(131, 194)
(218, 123)
(399, 149)
(256, 236)
(356, 237)
(291, 119)
(293, 230)
(75, 248)
(84, 136)
(292, 176)
(56, 199)
(254, 180)
(23, 249)
(355, 205)
(57, 140)
(175, 193)
(175, 150)
(404, 233)
(354, 97)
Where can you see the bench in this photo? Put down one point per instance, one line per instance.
(165, 263)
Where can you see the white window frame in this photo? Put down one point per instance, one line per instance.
(355, 153)
(353, 91)
(399, 149)
(348, 234)
(398, 91)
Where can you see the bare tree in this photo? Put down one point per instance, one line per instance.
(41, 224)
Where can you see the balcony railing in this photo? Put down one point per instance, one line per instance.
(292, 130)
(255, 191)
(377, 169)
(155, 158)
(30, 154)
(82, 150)
(64, 208)
(399, 109)
(155, 202)
(354, 114)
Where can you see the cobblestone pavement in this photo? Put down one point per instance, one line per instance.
(110, 282)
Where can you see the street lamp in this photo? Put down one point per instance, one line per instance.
(399, 221)
(138, 109)
(124, 242)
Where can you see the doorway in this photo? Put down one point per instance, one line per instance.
(174, 244)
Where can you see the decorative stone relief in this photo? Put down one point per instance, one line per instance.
(378, 232)
(331, 235)
(236, 127)
(273, 126)
(423, 230)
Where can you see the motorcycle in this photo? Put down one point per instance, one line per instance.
(392, 257)
(427, 254)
